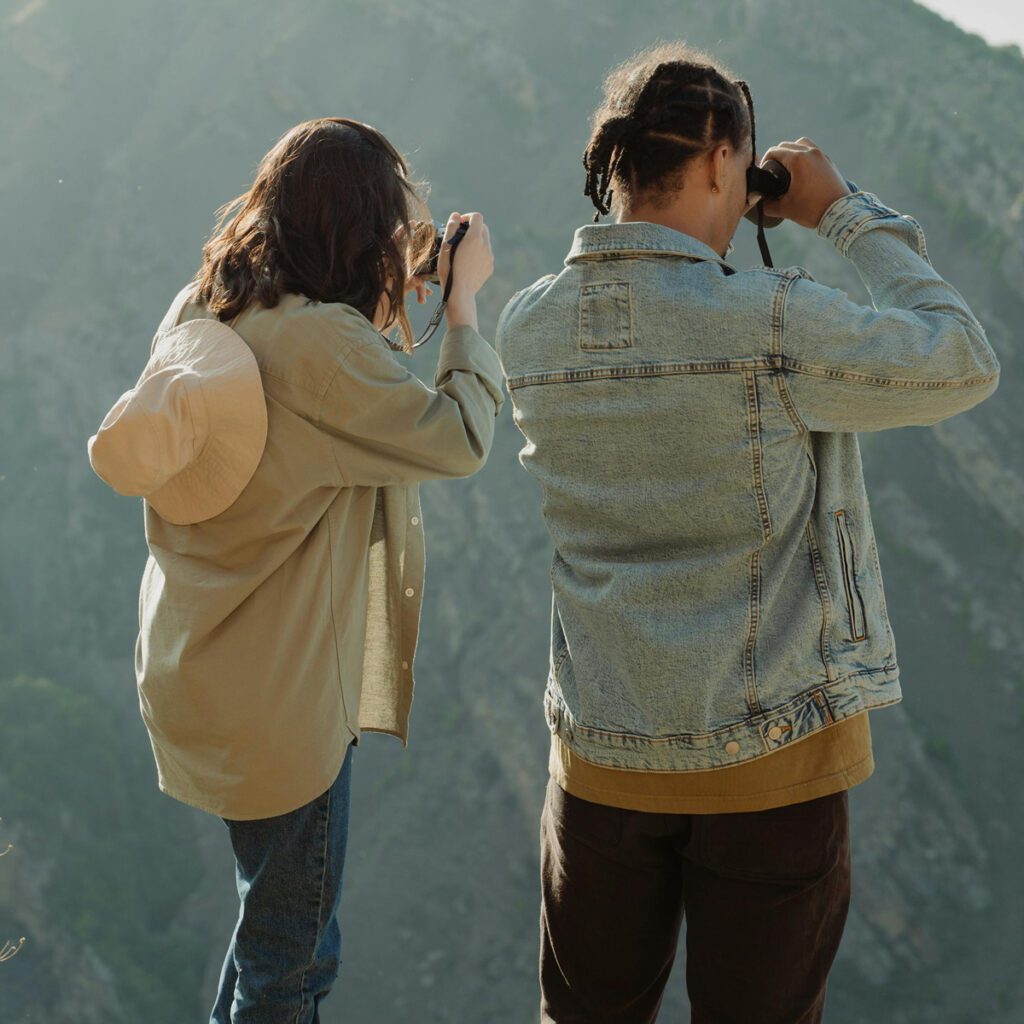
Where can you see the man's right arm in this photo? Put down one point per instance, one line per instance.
(917, 356)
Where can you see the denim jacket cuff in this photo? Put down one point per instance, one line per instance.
(465, 349)
(844, 219)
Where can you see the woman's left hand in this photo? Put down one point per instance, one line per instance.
(421, 287)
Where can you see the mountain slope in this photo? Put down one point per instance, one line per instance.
(126, 126)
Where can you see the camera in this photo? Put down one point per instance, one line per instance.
(428, 268)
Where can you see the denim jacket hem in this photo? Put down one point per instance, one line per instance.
(812, 710)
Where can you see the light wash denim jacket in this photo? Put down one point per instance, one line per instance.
(716, 587)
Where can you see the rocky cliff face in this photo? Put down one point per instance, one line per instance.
(124, 128)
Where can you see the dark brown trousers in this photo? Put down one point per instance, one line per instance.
(765, 895)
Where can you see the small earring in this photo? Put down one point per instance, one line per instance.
(714, 188)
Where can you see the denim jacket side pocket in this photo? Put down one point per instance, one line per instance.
(848, 564)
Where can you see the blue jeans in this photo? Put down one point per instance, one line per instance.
(286, 948)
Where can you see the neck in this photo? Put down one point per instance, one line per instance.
(698, 222)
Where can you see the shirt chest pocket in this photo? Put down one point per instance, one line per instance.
(606, 316)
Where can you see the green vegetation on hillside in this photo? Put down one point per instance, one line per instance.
(117, 865)
(125, 126)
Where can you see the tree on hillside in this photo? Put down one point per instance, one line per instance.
(9, 948)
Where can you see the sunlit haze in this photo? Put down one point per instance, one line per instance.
(997, 21)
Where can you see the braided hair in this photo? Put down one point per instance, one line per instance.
(661, 108)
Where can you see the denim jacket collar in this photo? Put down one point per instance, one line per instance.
(636, 237)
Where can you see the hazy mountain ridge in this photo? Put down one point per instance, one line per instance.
(128, 128)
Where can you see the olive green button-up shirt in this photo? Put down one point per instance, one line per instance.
(273, 633)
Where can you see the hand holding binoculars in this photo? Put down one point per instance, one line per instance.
(769, 181)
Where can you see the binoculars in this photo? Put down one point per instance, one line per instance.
(771, 181)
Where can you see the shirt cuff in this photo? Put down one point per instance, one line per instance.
(463, 349)
(845, 218)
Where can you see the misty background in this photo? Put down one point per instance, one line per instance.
(123, 126)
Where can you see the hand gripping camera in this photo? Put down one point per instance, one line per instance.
(428, 270)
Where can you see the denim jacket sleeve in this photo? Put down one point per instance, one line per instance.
(917, 356)
(388, 427)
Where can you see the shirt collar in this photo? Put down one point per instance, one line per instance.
(636, 238)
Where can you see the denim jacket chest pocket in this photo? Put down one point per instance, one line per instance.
(605, 315)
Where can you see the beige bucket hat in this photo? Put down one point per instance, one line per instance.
(189, 436)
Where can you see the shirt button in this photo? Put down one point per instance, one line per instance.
(774, 733)
(415, 520)
(409, 592)
(732, 747)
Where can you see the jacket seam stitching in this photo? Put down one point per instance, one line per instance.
(757, 458)
(848, 233)
(821, 582)
(764, 515)
(778, 351)
(633, 251)
(743, 365)
(787, 403)
(885, 667)
(749, 675)
(813, 370)
(779, 294)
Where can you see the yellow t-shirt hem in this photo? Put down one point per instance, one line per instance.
(834, 759)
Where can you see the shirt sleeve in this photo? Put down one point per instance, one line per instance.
(917, 355)
(388, 427)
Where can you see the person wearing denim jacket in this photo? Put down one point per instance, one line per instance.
(717, 599)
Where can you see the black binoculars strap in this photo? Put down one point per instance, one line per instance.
(762, 242)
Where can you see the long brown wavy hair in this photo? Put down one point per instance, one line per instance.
(332, 215)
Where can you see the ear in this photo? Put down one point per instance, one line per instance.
(717, 162)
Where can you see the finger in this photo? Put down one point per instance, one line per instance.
(476, 223)
(789, 144)
(786, 147)
(784, 153)
(779, 155)
(804, 141)
(452, 226)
